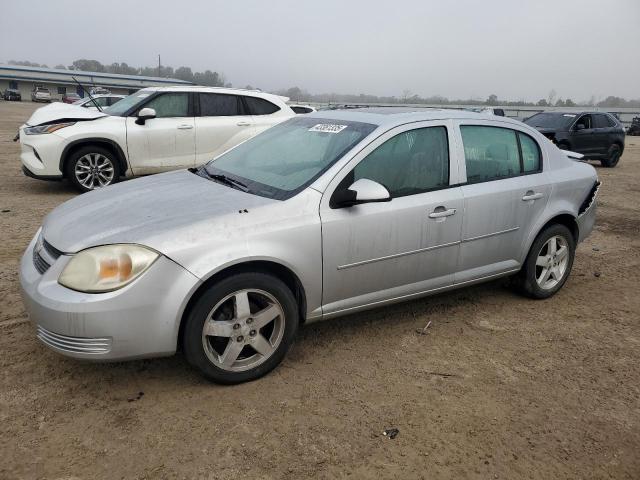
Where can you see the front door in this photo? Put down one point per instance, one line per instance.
(377, 252)
(166, 142)
(583, 139)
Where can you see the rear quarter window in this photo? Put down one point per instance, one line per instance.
(260, 106)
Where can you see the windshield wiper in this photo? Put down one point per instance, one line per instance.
(232, 182)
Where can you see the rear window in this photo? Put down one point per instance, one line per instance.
(260, 106)
(218, 105)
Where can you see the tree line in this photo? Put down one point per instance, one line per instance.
(216, 79)
(552, 100)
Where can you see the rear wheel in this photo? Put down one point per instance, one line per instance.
(548, 263)
(613, 157)
(92, 167)
(241, 328)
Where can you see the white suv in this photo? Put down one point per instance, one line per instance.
(154, 130)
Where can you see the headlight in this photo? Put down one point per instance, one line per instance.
(106, 268)
(40, 129)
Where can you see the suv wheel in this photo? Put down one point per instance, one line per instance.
(241, 328)
(613, 157)
(92, 167)
(548, 263)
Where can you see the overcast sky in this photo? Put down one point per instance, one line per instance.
(459, 49)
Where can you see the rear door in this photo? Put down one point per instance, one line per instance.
(265, 113)
(166, 142)
(602, 132)
(378, 252)
(500, 202)
(221, 123)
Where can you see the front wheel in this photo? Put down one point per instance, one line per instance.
(241, 328)
(548, 263)
(613, 157)
(90, 168)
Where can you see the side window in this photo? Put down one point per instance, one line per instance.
(586, 121)
(601, 121)
(530, 153)
(410, 163)
(218, 105)
(260, 106)
(170, 105)
(490, 153)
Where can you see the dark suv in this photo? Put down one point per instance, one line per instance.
(596, 135)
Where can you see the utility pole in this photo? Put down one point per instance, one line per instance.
(159, 65)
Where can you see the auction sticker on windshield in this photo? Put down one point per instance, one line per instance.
(327, 128)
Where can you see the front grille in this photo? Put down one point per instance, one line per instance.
(68, 344)
(44, 254)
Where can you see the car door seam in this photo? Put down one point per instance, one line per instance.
(480, 237)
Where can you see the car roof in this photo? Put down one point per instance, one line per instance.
(389, 116)
(200, 88)
(556, 112)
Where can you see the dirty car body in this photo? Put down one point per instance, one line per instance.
(436, 200)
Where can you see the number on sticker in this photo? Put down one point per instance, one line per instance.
(327, 128)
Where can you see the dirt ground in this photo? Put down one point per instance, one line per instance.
(499, 387)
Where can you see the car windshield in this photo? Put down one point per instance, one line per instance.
(286, 158)
(123, 106)
(551, 120)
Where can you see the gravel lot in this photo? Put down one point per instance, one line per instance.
(500, 387)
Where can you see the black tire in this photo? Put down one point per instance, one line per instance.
(526, 280)
(94, 152)
(193, 342)
(613, 156)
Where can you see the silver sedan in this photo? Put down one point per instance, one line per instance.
(326, 214)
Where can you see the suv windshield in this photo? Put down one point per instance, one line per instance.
(119, 109)
(286, 158)
(551, 120)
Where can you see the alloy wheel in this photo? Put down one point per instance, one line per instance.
(94, 170)
(243, 330)
(552, 262)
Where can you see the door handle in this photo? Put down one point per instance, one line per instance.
(441, 212)
(243, 124)
(184, 127)
(530, 196)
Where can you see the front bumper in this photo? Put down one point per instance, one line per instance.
(40, 154)
(137, 321)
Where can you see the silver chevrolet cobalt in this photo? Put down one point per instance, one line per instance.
(320, 216)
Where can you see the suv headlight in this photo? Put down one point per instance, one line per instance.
(106, 268)
(52, 127)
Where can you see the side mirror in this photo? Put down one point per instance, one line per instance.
(580, 126)
(360, 191)
(144, 115)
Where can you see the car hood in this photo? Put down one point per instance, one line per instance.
(163, 212)
(62, 111)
